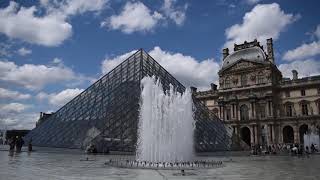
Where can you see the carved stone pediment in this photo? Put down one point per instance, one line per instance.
(241, 65)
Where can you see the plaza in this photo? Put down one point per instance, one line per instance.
(50, 163)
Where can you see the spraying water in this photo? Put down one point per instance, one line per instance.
(166, 124)
(311, 137)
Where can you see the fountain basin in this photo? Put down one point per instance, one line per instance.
(164, 165)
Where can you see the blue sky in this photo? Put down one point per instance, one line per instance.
(51, 50)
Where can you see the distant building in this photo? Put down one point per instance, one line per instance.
(42, 118)
(259, 104)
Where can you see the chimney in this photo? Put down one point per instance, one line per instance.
(193, 89)
(270, 50)
(294, 74)
(213, 86)
(225, 53)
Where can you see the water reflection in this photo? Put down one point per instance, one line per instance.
(72, 164)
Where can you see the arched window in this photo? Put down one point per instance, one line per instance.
(227, 82)
(260, 78)
(243, 80)
(288, 134)
(289, 108)
(304, 107)
(244, 112)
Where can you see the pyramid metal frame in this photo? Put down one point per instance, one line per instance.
(106, 113)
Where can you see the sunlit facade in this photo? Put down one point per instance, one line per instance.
(261, 106)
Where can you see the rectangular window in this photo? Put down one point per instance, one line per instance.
(269, 107)
(233, 114)
(304, 109)
(303, 92)
(262, 111)
(228, 114)
(289, 110)
(227, 83)
(287, 93)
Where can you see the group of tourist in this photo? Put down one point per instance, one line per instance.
(16, 143)
(293, 149)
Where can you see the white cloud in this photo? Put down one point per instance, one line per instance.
(178, 15)
(49, 30)
(262, 22)
(24, 51)
(303, 51)
(252, 1)
(135, 16)
(57, 61)
(12, 108)
(73, 7)
(22, 120)
(305, 68)
(109, 63)
(9, 94)
(34, 76)
(13, 116)
(188, 70)
(61, 98)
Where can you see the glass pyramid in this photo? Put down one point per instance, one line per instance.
(106, 113)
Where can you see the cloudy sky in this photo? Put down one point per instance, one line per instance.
(50, 51)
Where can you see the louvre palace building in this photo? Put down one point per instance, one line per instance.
(257, 102)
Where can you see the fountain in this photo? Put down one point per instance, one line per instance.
(311, 137)
(166, 130)
(166, 124)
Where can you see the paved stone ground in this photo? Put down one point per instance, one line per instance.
(63, 164)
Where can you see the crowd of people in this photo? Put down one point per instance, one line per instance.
(16, 143)
(292, 149)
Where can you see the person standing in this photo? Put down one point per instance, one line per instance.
(12, 142)
(19, 143)
(30, 145)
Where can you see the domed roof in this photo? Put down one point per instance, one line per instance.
(251, 54)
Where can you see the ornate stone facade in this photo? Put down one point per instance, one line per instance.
(259, 104)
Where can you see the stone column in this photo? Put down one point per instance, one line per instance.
(256, 138)
(223, 113)
(280, 134)
(237, 113)
(273, 133)
(296, 133)
(252, 109)
(269, 135)
(233, 111)
(252, 134)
